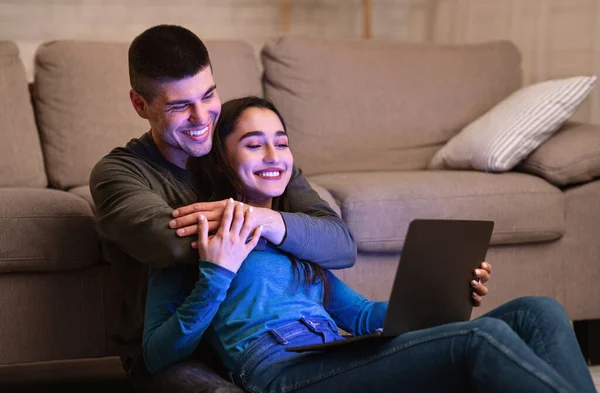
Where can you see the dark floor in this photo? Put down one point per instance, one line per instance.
(81, 376)
(67, 387)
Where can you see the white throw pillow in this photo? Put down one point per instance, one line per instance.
(499, 139)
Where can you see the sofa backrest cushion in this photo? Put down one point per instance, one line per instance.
(21, 161)
(374, 105)
(81, 93)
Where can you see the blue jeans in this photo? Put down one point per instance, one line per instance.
(526, 345)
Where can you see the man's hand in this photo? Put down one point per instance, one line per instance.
(229, 246)
(482, 275)
(185, 220)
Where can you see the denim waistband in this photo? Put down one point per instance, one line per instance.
(257, 360)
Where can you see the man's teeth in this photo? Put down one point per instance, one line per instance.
(269, 174)
(196, 132)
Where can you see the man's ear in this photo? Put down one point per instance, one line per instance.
(139, 104)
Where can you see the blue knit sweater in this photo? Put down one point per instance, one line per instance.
(235, 309)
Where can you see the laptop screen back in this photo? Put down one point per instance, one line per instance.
(432, 284)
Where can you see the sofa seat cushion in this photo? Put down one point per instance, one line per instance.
(84, 193)
(378, 206)
(45, 230)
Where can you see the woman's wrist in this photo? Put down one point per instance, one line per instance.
(273, 225)
(207, 267)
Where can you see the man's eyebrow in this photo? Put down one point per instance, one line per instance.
(210, 90)
(261, 134)
(182, 102)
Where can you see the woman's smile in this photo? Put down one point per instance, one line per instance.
(270, 174)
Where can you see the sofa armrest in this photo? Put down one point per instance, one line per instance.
(571, 156)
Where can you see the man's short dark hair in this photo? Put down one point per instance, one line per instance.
(164, 53)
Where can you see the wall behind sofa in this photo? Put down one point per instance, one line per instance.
(30, 22)
(557, 38)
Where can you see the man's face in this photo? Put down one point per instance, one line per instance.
(182, 116)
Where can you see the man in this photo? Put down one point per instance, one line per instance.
(148, 201)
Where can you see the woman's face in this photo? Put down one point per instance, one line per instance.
(258, 153)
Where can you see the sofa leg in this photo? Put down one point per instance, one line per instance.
(588, 335)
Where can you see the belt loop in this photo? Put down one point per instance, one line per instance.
(278, 337)
(312, 326)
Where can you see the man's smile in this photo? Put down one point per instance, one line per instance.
(197, 134)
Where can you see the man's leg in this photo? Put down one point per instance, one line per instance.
(190, 376)
(543, 324)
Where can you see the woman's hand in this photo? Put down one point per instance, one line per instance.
(482, 275)
(230, 245)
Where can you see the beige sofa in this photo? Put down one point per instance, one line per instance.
(364, 119)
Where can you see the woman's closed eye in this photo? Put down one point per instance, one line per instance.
(257, 146)
(281, 142)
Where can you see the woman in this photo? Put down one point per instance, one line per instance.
(252, 301)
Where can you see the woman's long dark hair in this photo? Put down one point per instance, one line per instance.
(214, 170)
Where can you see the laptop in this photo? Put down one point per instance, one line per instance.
(432, 285)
